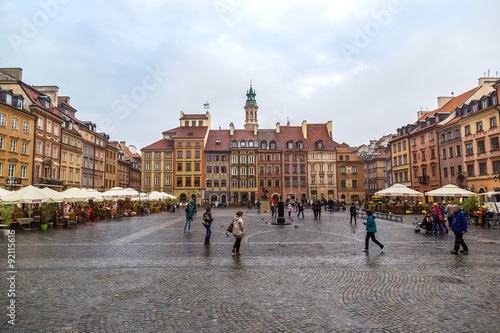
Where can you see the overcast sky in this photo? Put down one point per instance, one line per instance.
(132, 65)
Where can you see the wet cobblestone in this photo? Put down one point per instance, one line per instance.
(144, 274)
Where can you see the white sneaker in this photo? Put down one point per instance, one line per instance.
(364, 250)
(382, 249)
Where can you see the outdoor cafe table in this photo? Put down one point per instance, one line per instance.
(24, 220)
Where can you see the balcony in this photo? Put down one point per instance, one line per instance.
(423, 179)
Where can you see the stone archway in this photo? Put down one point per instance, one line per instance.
(183, 197)
(213, 198)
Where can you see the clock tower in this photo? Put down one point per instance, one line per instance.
(251, 110)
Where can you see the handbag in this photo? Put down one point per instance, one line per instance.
(230, 227)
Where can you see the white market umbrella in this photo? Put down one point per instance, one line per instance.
(169, 196)
(450, 190)
(80, 195)
(4, 192)
(53, 195)
(28, 194)
(119, 193)
(155, 195)
(399, 190)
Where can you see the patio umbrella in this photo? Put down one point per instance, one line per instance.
(3, 192)
(28, 194)
(450, 190)
(399, 190)
(169, 196)
(53, 195)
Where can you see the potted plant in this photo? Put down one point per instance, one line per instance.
(6, 218)
(44, 218)
(97, 213)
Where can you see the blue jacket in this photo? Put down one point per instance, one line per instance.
(458, 221)
(371, 226)
(189, 211)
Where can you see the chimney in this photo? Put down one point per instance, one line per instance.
(15, 72)
(65, 99)
(278, 127)
(255, 129)
(329, 128)
(51, 91)
(304, 129)
(420, 114)
(442, 100)
(231, 129)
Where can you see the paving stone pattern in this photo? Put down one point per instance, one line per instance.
(144, 274)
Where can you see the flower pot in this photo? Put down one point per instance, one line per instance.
(43, 226)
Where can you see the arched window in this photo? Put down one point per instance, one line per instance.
(242, 143)
(272, 145)
(251, 114)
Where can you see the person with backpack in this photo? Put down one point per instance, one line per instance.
(189, 217)
(207, 222)
(371, 229)
(459, 227)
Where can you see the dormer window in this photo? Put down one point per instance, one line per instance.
(289, 145)
(300, 144)
(484, 103)
(243, 143)
(8, 99)
(475, 107)
(319, 144)
(494, 100)
(234, 143)
(263, 145)
(19, 104)
(273, 145)
(250, 143)
(218, 142)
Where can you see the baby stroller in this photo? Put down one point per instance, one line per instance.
(426, 224)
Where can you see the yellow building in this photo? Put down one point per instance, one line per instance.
(480, 143)
(400, 153)
(158, 165)
(16, 141)
(110, 165)
(322, 162)
(243, 165)
(71, 156)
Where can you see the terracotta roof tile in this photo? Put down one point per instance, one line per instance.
(218, 135)
(33, 96)
(127, 150)
(162, 144)
(268, 135)
(239, 135)
(293, 133)
(317, 132)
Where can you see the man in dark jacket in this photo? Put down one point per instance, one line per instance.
(352, 210)
(459, 227)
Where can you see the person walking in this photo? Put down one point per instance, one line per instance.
(207, 222)
(436, 219)
(459, 227)
(238, 231)
(257, 203)
(300, 209)
(352, 210)
(443, 215)
(189, 217)
(449, 212)
(290, 210)
(371, 229)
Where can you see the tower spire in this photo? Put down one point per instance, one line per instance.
(251, 109)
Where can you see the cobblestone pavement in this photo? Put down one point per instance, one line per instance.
(144, 274)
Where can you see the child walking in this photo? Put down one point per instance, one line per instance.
(371, 229)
